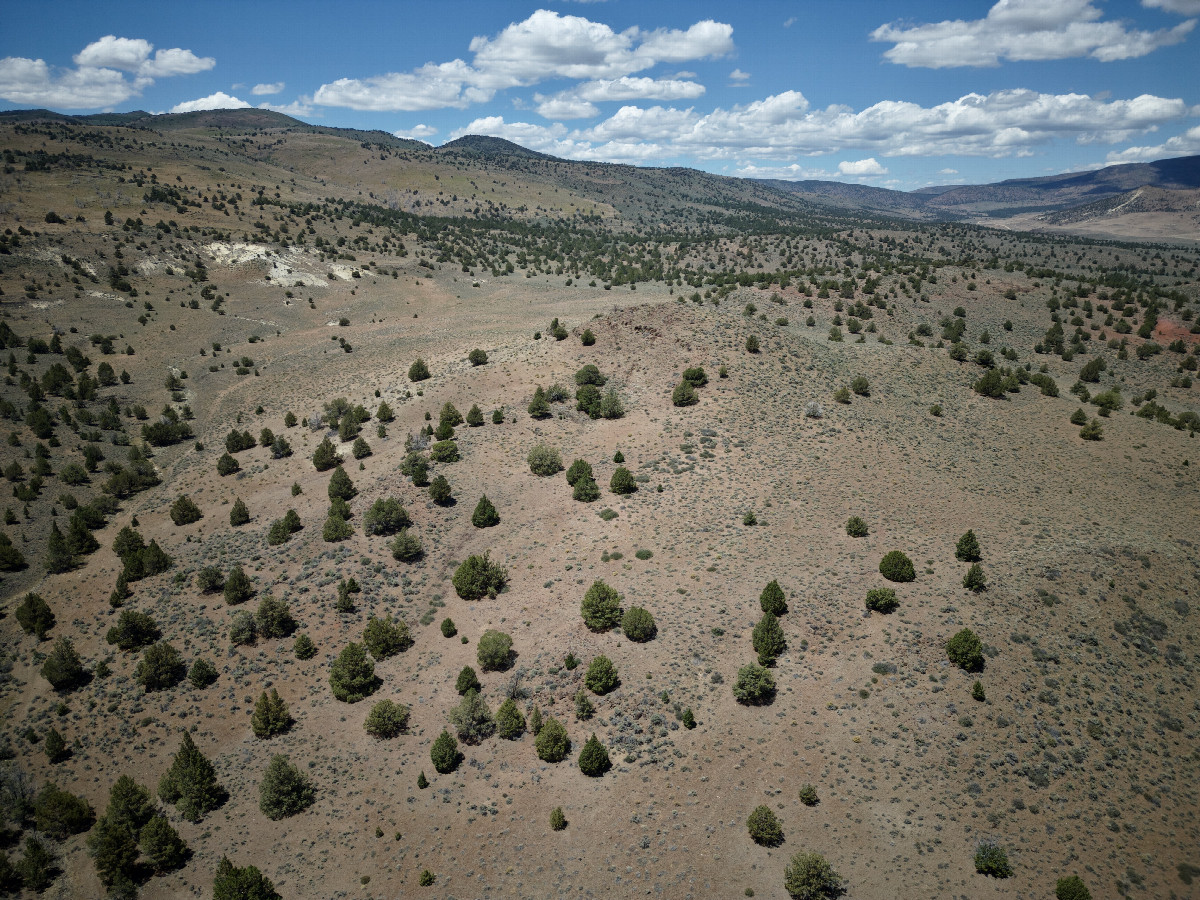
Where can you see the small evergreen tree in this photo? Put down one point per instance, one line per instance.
(62, 667)
(1071, 888)
(444, 753)
(975, 580)
(386, 637)
(992, 859)
(601, 676)
(352, 677)
(856, 527)
(882, 600)
(754, 685)
(684, 394)
(325, 457)
(160, 668)
(335, 529)
(38, 866)
(162, 845)
(406, 547)
(485, 515)
(227, 465)
(601, 607)
(35, 616)
(539, 406)
(579, 469)
(133, 630)
(809, 876)
(340, 485)
(58, 814)
(535, 722)
(767, 639)
(544, 460)
(474, 416)
(896, 566)
(552, 742)
(586, 490)
(304, 648)
(418, 371)
(478, 576)
(237, 587)
(439, 491)
(472, 719)
(59, 557)
(467, 681)
(191, 782)
(772, 600)
(965, 650)
(245, 883)
(622, 481)
(638, 625)
(764, 827)
(477, 357)
(967, 549)
(202, 673)
(271, 716)
(285, 790)
(494, 652)
(558, 821)
(386, 719)
(114, 850)
(510, 723)
(54, 746)
(184, 511)
(593, 758)
(386, 516)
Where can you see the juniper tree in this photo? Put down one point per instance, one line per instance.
(59, 814)
(237, 587)
(494, 651)
(440, 492)
(772, 600)
(967, 549)
(62, 667)
(485, 515)
(444, 753)
(386, 719)
(352, 677)
(191, 783)
(601, 677)
(510, 723)
(271, 716)
(35, 616)
(622, 481)
(471, 718)
(767, 639)
(638, 625)
(601, 607)
(386, 637)
(552, 742)
(478, 576)
(593, 758)
(284, 790)
(162, 846)
(245, 883)
(764, 827)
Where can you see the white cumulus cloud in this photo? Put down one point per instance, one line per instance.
(99, 79)
(544, 46)
(862, 167)
(219, 100)
(1024, 30)
(273, 87)
(1186, 144)
(417, 132)
(1181, 7)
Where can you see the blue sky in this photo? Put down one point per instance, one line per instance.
(902, 93)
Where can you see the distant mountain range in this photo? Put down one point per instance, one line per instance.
(1056, 200)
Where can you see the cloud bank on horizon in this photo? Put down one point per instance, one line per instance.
(580, 88)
